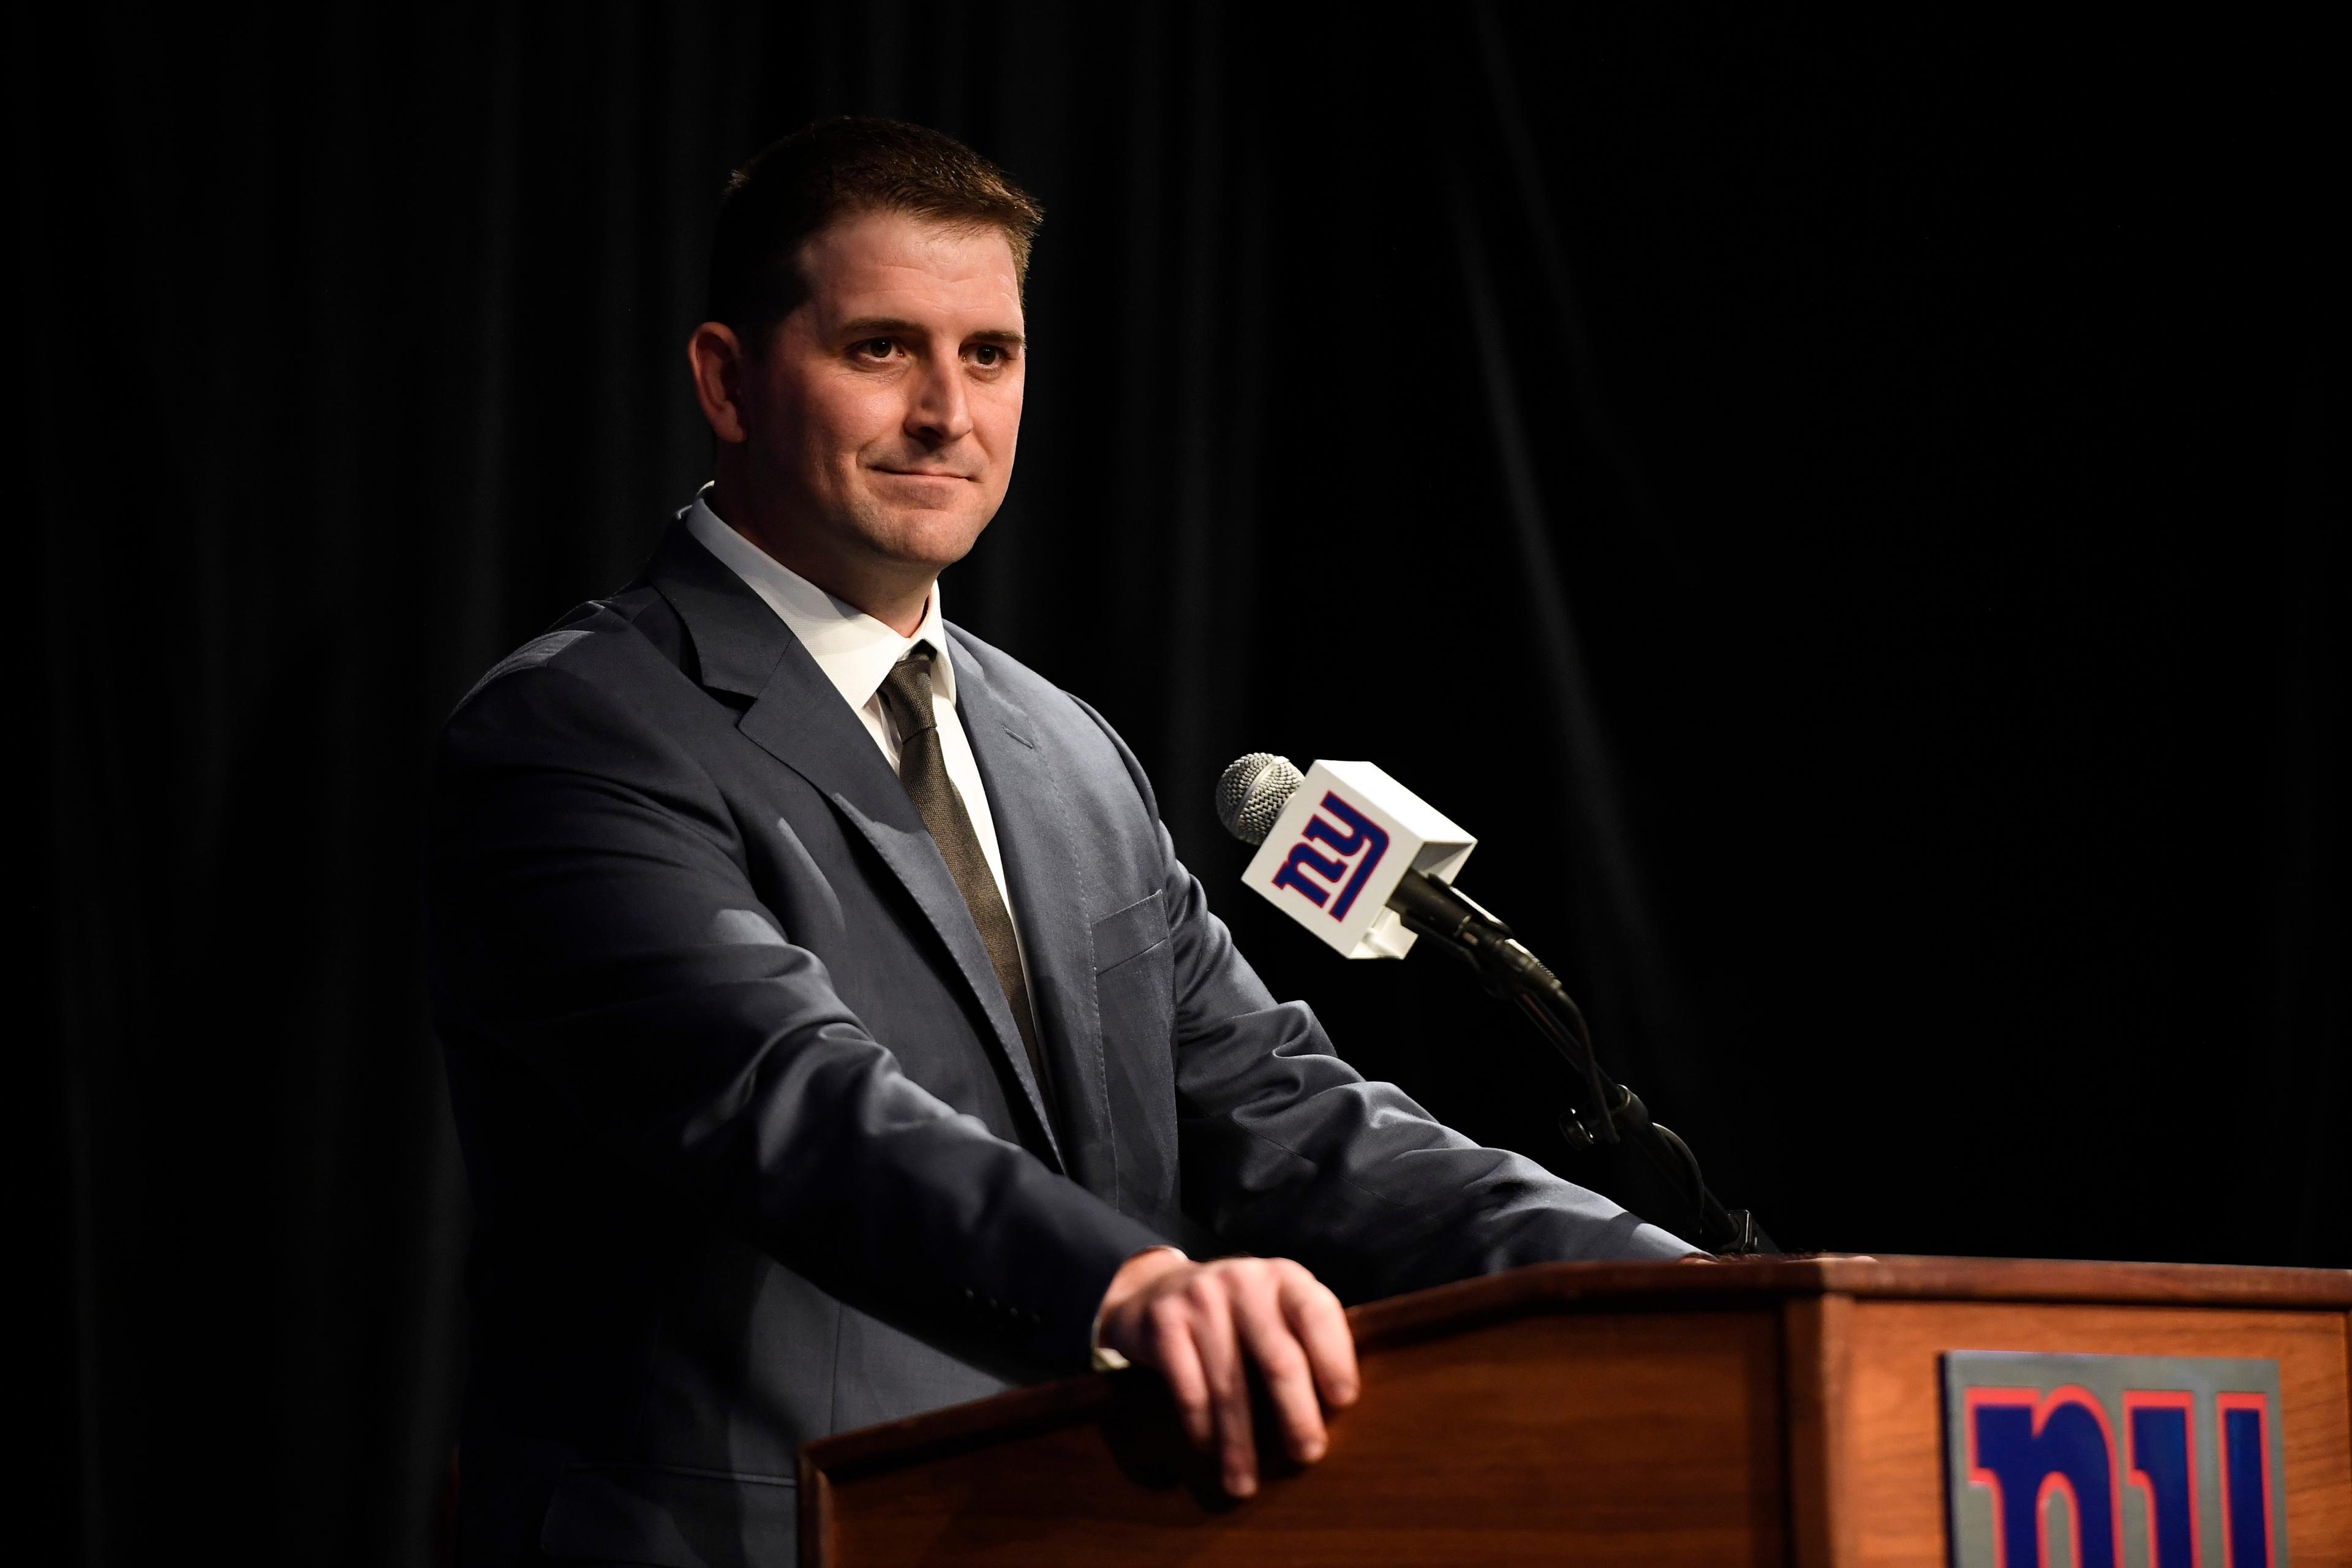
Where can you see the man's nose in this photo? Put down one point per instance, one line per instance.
(940, 412)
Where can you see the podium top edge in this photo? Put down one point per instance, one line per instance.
(1861, 1276)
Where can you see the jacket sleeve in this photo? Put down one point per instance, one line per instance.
(1288, 1150)
(588, 912)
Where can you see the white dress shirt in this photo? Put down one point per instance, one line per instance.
(856, 652)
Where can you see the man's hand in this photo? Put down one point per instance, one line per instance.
(1202, 1325)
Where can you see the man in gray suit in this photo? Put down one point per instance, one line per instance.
(833, 1033)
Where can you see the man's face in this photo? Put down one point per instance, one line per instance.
(881, 418)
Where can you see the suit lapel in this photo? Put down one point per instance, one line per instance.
(1036, 834)
(797, 716)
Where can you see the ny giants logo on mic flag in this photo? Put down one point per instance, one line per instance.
(1349, 835)
(2107, 1461)
(1346, 837)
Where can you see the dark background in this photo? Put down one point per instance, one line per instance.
(1844, 511)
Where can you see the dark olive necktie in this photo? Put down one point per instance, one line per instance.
(923, 769)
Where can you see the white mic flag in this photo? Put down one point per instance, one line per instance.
(1346, 837)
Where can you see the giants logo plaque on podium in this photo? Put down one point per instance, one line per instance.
(2111, 1461)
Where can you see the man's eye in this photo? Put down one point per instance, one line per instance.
(875, 348)
(989, 355)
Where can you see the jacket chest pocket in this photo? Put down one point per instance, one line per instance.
(1135, 974)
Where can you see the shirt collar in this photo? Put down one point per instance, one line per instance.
(853, 648)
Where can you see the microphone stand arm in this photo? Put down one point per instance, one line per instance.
(1449, 917)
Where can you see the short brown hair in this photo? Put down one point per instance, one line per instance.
(828, 171)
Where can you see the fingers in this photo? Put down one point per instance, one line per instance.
(1174, 1353)
(1315, 1317)
(1229, 1402)
(1265, 1329)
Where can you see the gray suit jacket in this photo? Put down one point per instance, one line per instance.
(756, 1152)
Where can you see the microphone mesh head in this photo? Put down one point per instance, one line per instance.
(1253, 792)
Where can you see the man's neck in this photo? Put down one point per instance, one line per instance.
(892, 596)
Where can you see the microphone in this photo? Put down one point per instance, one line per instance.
(1368, 866)
(1359, 860)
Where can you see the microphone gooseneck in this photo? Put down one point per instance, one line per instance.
(1250, 794)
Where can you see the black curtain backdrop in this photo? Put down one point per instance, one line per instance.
(1846, 510)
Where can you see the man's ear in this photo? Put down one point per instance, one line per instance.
(716, 358)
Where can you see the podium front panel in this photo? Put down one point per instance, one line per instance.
(1894, 1444)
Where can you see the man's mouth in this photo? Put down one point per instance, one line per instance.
(922, 474)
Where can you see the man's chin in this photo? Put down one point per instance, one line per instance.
(933, 537)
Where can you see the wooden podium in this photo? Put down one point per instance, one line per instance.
(1779, 1411)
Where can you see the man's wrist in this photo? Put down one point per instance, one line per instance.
(1105, 1358)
